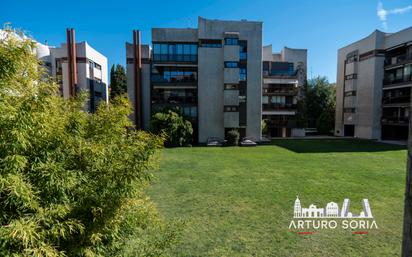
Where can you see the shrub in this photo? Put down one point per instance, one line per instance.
(177, 130)
(71, 182)
(232, 137)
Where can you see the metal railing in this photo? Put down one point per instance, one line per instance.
(398, 59)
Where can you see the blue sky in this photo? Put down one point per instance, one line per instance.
(320, 26)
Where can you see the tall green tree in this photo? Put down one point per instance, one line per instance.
(320, 101)
(118, 84)
(71, 182)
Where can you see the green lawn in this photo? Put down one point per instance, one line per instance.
(239, 201)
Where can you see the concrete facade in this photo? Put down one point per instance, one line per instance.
(284, 74)
(373, 86)
(92, 74)
(212, 74)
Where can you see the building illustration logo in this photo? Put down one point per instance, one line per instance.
(331, 210)
(331, 217)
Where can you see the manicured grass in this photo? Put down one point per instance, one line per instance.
(239, 201)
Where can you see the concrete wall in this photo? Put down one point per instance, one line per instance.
(174, 35)
(210, 92)
(368, 86)
(211, 79)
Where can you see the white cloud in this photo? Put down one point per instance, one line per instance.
(382, 13)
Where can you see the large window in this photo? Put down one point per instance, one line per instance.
(174, 74)
(282, 68)
(231, 65)
(174, 96)
(242, 74)
(231, 41)
(210, 43)
(243, 50)
(173, 52)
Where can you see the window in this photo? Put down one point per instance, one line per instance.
(349, 110)
(352, 59)
(282, 68)
(350, 93)
(231, 108)
(231, 87)
(98, 66)
(172, 52)
(243, 50)
(242, 74)
(211, 43)
(231, 65)
(351, 76)
(278, 99)
(231, 41)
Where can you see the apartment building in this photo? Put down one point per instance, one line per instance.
(212, 73)
(374, 80)
(284, 74)
(77, 66)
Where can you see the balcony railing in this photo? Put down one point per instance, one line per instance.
(276, 107)
(174, 79)
(174, 58)
(394, 121)
(278, 91)
(398, 59)
(403, 79)
(405, 99)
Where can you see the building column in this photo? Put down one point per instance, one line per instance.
(407, 225)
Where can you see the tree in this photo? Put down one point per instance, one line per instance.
(118, 84)
(320, 104)
(302, 111)
(177, 130)
(71, 182)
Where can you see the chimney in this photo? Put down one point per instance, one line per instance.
(72, 63)
(137, 58)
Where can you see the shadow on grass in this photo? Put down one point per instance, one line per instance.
(334, 145)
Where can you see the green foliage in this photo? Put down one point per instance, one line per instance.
(320, 97)
(264, 126)
(71, 182)
(232, 137)
(302, 110)
(177, 130)
(326, 121)
(118, 84)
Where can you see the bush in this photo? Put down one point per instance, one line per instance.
(232, 137)
(176, 130)
(71, 182)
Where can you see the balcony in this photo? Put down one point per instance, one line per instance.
(175, 79)
(404, 100)
(185, 58)
(394, 121)
(280, 91)
(278, 107)
(400, 59)
(387, 82)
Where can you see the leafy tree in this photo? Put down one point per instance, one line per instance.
(320, 100)
(302, 111)
(71, 182)
(118, 84)
(177, 130)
